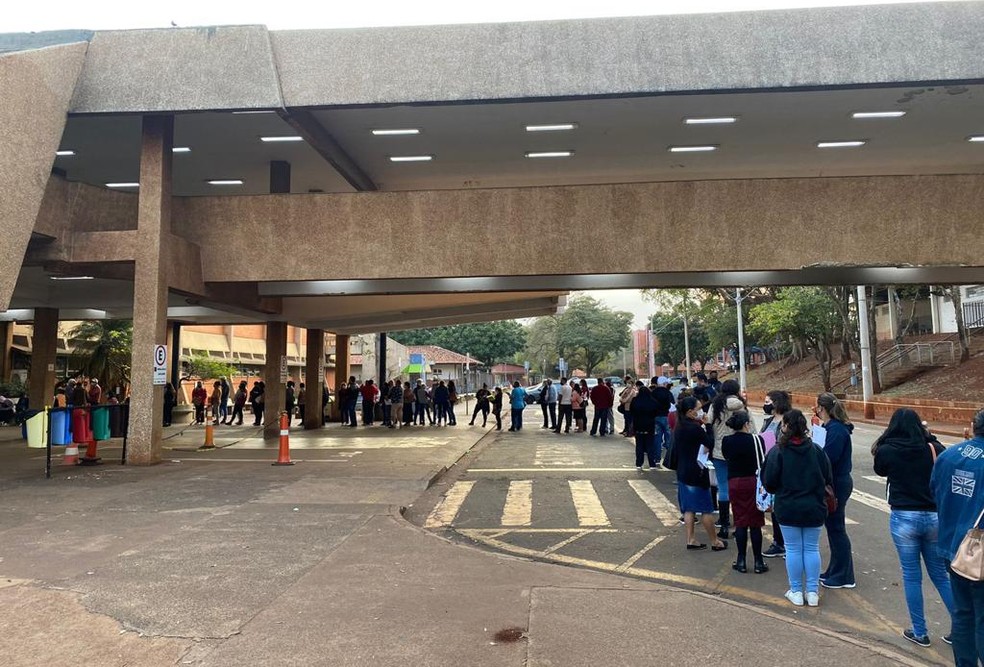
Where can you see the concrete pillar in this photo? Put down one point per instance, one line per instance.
(341, 369)
(275, 394)
(150, 288)
(314, 377)
(935, 308)
(41, 386)
(381, 359)
(866, 379)
(7, 351)
(893, 313)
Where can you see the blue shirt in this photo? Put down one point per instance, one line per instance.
(838, 447)
(958, 498)
(517, 398)
(552, 394)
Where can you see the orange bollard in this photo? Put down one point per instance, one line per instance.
(209, 432)
(90, 458)
(283, 458)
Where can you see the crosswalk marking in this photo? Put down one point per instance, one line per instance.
(545, 469)
(561, 545)
(639, 554)
(874, 478)
(587, 504)
(553, 454)
(518, 510)
(660, 505)
(870, 501)
(447, 509)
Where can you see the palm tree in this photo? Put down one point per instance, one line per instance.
(102, 350)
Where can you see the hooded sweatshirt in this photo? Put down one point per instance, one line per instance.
(643, 411)
(721, 428)
(838, 447)
(797, 473)
(908, 466)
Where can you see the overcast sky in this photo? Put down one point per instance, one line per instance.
(105, 14)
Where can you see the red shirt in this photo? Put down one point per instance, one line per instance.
(370, 392)
(602, 396)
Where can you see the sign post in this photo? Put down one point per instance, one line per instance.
(284, 375)
(160, 365)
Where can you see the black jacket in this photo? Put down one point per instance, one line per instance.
(797, 474)
(688, 436)
(908, 466)
(664, 399)
(643, 411)
(838, 447)
(739, 451)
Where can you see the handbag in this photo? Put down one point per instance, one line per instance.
(763, 499)
(969, 559)
(830, 498)
(671, 460)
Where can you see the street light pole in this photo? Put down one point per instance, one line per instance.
(686, 346)
(741, 341)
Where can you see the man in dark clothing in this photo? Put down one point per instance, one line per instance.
(603, 398)
(643, 411)
(290, 401)
(481, 405)
(351, 399)
(421, 399)
(224, 400)
(664, 399)
(713, 382)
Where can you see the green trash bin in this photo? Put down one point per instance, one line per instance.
(100, 423)
(36, 430)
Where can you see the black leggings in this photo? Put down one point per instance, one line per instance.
(741, 540)
(484, 409)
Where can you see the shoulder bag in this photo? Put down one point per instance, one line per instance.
(969, 559)
(763, 499)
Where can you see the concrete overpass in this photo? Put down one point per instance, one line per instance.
(363, 180)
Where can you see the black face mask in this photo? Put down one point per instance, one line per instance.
(768, 408)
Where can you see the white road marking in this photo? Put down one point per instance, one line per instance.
(446, 510)
(518, 510)
(589, 509)
(557, 454)
(553, 469)
(496, 532)
(870, 501)
(561, 545)
(660, 505)
(874, 478)
(850, 522)
(639, 554)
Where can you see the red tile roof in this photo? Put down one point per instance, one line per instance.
(508, 369)
(434, 354)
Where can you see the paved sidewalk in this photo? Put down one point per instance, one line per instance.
(223, 559)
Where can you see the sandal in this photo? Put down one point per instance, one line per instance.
(695, 547)
(724, 545)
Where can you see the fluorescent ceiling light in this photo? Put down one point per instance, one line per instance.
(71, 277)
(225, 181)
(692, 149)
(711, 120)
(252, 111)
(841, 144)
(877, 114)
(411, 158)
(537, 154)
(122, 185)
(556, 127)
(181, 149)
(289, 137)
(65, 153)
(977, 138)
(396, 132)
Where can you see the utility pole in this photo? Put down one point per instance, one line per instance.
(741, 341)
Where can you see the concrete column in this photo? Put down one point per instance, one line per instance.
(341, 369)
(41, 385)
(383, 375)
(893, 313)
(866, 380)
(275, 394)
(150, 288)
(314, 377)
(7, 352)
(935, 303)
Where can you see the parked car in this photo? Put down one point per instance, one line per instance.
(533, 391)
(616, 381)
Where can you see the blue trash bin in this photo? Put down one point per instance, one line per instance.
(59, 428)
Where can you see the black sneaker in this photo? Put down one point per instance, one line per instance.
(921, 641)
(947, 639)
(774, 550)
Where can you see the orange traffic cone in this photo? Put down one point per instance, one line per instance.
(209, 433)
(283, 457)
(71, 457)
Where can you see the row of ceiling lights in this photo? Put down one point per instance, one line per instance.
(554, 127)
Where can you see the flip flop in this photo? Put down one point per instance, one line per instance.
(696, 547)
(720, 548)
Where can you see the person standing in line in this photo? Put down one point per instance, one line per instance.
(664, 403)
(624, 399)
(301, 399)
(541, 400)
(452, 401)
(578, 401)
(290, 401)
(551, 396)
(387, 402)
(351, 400)
(341, 396)
(254, 403)
(693, 479)
(396, 402)
(481, 405)
(744, 453)
(566, 409)
(420, 403)
(958, 489)
(797, 472)
(442, 404)
(370, 394)
(497, 407)
(95, 392)
(408, 404)
(170, 400)
(611, 410)
(725, 403)
(603, 399)
(238, 403)
(517, 403)
(198, 398)
(224, 399)
(905, 455)
(642, 410)
(777, 403)
(214, 399)
(840, 569)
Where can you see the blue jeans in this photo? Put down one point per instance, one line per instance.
(802, 557)
(968, 620)
(840, 569)
(662, 435)
(350, 411)
(517, 418)
(914, 534)
(721, 472)
(441, 409)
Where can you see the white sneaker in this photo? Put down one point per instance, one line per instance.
(812, 599)
(795, 598)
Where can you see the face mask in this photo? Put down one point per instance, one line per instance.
(768, 408)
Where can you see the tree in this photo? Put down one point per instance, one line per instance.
(590, 331)
(805, 313)
(204, 367)
(102, 349)
(675, 306)
(953, 293)
(487, 342)
(541, 343)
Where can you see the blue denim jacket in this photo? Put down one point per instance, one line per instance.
(959, 499)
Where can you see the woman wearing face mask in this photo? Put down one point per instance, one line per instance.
(725, 404)
(743, 452)
(777, 403)
(840, 569)
(693, 481)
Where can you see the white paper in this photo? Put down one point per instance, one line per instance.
(704, 458)
(819, 435)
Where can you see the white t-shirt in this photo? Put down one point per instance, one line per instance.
(565, 395)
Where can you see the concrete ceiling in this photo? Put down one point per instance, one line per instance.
(616, 140)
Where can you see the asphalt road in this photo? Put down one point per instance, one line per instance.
(578, 500)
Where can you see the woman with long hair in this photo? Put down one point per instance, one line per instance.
(693, 480)
(777, 403)
(726, 403)
(837, 447)
(578, 401)
(797, 472)
(906, 454)
(744, 452)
